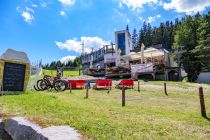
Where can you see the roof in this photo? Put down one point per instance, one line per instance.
(148, 53)
(15, 56)
(157, 46)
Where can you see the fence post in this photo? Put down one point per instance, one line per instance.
(70, 87)
(202, 102)
(87, 92)
(138, 86)
(165, 89)
(123, 96)
(108, 87)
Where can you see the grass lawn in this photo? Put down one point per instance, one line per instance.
(65, 73)
(147, 115)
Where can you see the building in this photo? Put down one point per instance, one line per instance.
(120, 59)
(95, 62)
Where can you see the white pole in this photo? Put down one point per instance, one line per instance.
(142, 53)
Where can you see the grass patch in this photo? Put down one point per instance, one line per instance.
(147, 115)
(65, 73)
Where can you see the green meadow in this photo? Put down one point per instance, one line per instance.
(148, 114)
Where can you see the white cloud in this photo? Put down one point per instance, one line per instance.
(120, 16)
(158, 16)
(153, 18)
(187, 6)
(27, 13)
(34, 5)
(136, 4)
(141, 18)
(67, 2)
(43, 4)
(75, 45)
(27, 16)
(128, 20)
(29, 10)
(62, 13)
(67, 58)
(18, 8)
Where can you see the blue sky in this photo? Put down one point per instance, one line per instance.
(54, 29)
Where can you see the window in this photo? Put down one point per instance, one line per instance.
(121, 42)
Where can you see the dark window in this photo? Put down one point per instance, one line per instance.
(121, 42)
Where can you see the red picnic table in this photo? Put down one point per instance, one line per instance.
(74, 84)
(127, 83)
(103, 84)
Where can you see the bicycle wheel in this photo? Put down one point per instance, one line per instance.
(35, 87)
(48, 83)
(60, 85)
(42, 85)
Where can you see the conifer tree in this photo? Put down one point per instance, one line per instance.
(134, 38)
(202, 50)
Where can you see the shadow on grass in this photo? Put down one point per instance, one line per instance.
(207, 118)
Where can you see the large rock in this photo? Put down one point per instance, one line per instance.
(61, 133)
(3, 134)
(20, 128)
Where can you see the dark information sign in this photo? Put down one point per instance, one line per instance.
(13, 77)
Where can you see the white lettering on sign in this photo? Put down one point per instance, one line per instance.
(142, 68)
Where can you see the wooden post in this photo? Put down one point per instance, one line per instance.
(165, 89)
(70, 87)
(123, 96)
(108, 87)
(202, 102)
(138, 86)
(86, 91)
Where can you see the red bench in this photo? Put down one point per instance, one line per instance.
(103, 84)
(76, 83)
(126, 83)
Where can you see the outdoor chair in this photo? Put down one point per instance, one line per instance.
(103, 84)
(75, 84)
(128, 83)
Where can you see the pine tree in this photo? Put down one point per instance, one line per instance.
(148, 35)
(171, 35)
(161, 34)
(154, 36)
(141, 38)
(127, 28)
(186, 37)
(134, 38)
(202, 50)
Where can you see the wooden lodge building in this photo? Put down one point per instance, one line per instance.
(120, 59)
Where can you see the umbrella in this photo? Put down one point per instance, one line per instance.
(142, 53)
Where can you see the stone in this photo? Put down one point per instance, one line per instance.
(61, 133)
(19, 128)
(3, 134)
